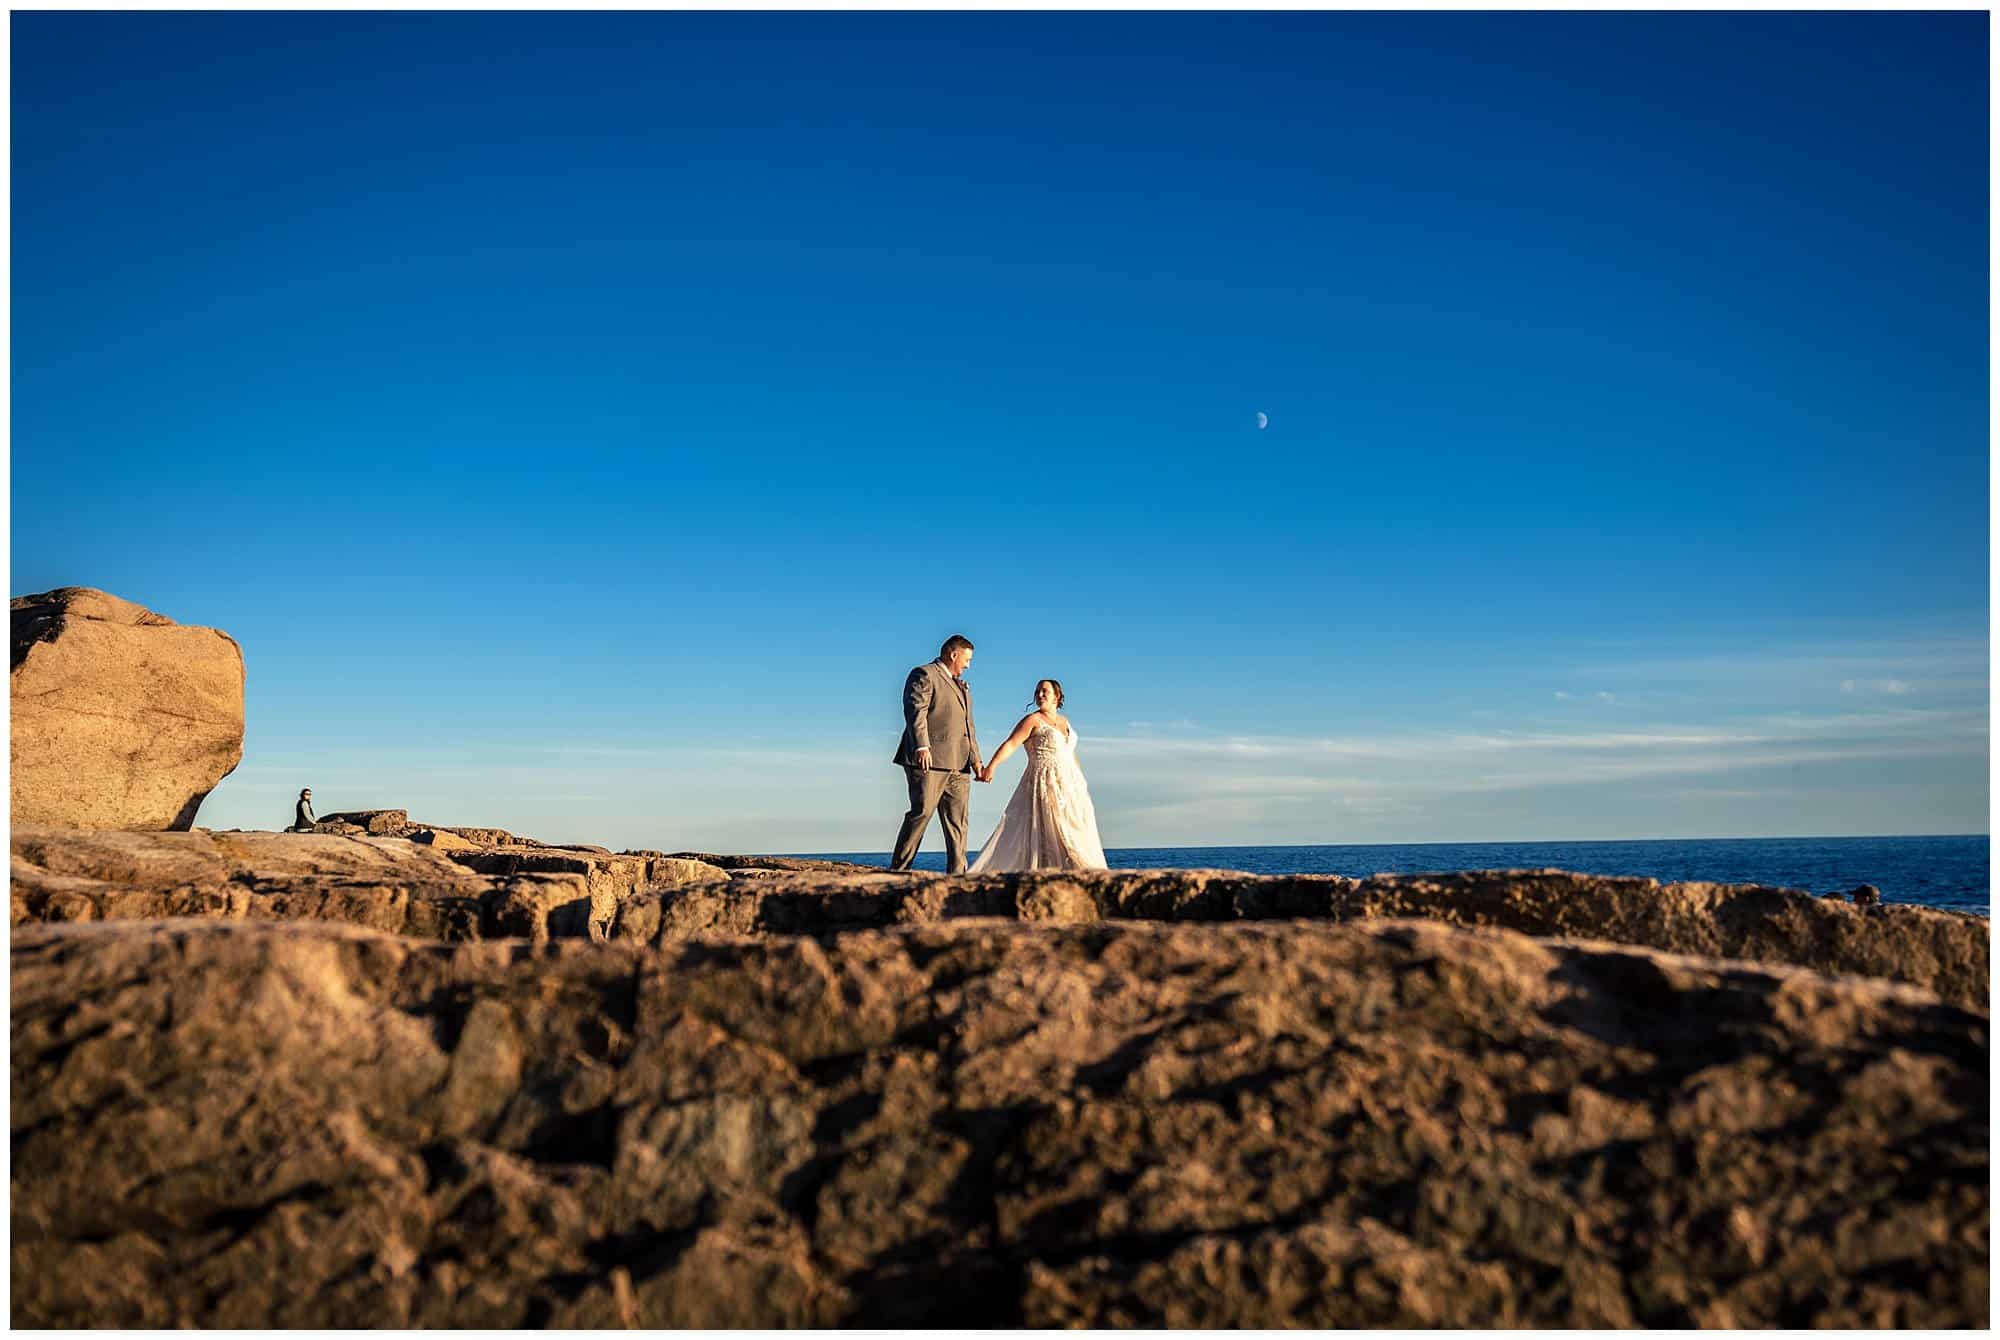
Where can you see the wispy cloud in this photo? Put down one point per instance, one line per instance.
(1712, 793)
(1440, 746)
(1895, 688)
(1395, 781)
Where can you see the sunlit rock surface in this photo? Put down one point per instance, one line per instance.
(121, 718)
(988, 1122)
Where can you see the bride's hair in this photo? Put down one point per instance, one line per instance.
(1054, 684)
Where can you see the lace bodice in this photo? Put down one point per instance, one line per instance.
(1046, 744)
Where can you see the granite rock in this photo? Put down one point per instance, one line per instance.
(982, 1122)
(122, 718)
(542, 890)
(389, 883)
(1947, 952)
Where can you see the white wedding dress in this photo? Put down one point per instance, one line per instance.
(1049, 823)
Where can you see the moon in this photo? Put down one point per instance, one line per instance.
(1263, 419)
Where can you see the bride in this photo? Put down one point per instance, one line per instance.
(1049, 823)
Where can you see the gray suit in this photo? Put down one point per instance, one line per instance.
(937, 715)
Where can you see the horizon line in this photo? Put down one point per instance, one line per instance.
(1508, 842)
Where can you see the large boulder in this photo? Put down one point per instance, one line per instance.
(982, 1123)
(122, 717)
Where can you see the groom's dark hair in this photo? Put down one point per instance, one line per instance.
(953, 643)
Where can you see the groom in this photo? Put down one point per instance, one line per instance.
(939, 753)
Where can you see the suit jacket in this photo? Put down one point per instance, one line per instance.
(937, 714)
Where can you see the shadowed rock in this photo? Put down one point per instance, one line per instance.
(1384, 1123)
(122, 718)
(1947, 952)
(611, 879)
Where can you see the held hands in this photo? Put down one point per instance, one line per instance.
(985, 774)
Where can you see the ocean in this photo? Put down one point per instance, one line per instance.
(1947, 872)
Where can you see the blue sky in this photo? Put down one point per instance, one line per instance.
(584, 421)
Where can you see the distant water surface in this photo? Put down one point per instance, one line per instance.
(1948, 872)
